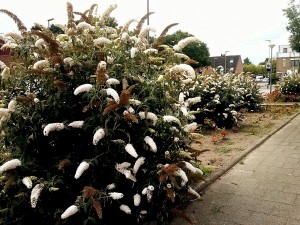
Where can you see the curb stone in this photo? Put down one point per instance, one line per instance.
(200, 187)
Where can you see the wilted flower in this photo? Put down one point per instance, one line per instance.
(145, 31)
(27, 182)
(99, 134)
(113, 93)
(81, 168)
(136, 199)
(76, 124)
(130, 149)
(10, 165)
(151, 143)
(53, 127)
(69, 212)
(107, 12)
(125, 209)
(183, 176)
(4, 112)
(83, 88)
(115, 195)
(35, 194)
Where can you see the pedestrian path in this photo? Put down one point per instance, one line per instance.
(262, 189)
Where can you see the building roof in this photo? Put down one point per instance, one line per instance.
(231, 61)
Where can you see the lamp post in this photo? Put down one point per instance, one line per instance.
(270, 75)
(148, 20)
(49, 21)
(225, 62)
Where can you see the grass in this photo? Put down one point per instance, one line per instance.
(207, 170)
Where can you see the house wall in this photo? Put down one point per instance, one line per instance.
(239, 67)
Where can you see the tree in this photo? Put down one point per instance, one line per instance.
(247, 61)
(293, 15)
(197, 51)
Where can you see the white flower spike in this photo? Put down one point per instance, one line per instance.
(73, 209)
(10, 165)
(151, 143)
(83, 88)
(81, 168)
(53, 127)
(131, 151)
(99, 134)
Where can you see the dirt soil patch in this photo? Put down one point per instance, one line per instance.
(223, 145)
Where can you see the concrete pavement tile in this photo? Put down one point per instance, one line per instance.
(289, 179)
(293, 222)
(221, 187)
(281, 209)
(277, 171)
(265, 219)
(243, 202)
(270, 185)
(276, 196)
(292, 188)
(296, 173)
(263, 175)
(272, 163)
(251, 192)
(297, 202)
(295, 214)
(240, 173)
(232, 215)
(291, 165)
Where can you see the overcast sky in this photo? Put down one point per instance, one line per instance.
(238, 26)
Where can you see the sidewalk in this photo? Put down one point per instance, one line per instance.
(262, 189)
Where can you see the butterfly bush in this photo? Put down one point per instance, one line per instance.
(101, 141)
(289, 87)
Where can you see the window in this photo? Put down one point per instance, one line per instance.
(284, 50)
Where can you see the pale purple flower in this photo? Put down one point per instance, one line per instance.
(41, 64)
(125, 209)
(185, 70)
(76, 124)
(102, 41)
(40, 43)
(83, 166)
(111, 186)
(183, 176)
(12, 105)
(85, 26)
(116, 195)
(133, 52)
(5, 73)
(145, 31)
(131, 151)
(183, 43)
(27, 182)
(113, 93)
(4, 112)
(170, 119)
(35, 194)
(193, 192)
(73, 209)
(190, 127)
(99, 134)
(53, 127)
(83, 88)
(10, 165)
(107, 12)
(137, 199)
(151, 143)
(111, 81)
(192, 168)
(140, 161)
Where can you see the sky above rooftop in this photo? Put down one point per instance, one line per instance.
(237, 26)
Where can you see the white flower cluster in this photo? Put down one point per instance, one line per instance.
(83, 166)
(35, 194)
(76, 124)
(148, 191)
(73, 209)
(10, 165)
(113, 93)
(53, 127)
(170, 119)
(41, 64)
(99, 134)
(131, 151)
(83, 88)
(185, 70)
(151, 143)
(148, 115)
(183, 43)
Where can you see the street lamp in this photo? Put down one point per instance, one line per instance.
(49, 21)
(225, 61)
(271, 50)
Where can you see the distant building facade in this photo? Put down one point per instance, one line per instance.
(287, 60)
(229, 63)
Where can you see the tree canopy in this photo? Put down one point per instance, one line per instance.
(197, 51)
(293, 15)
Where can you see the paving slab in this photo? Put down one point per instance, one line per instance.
(263, 190)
